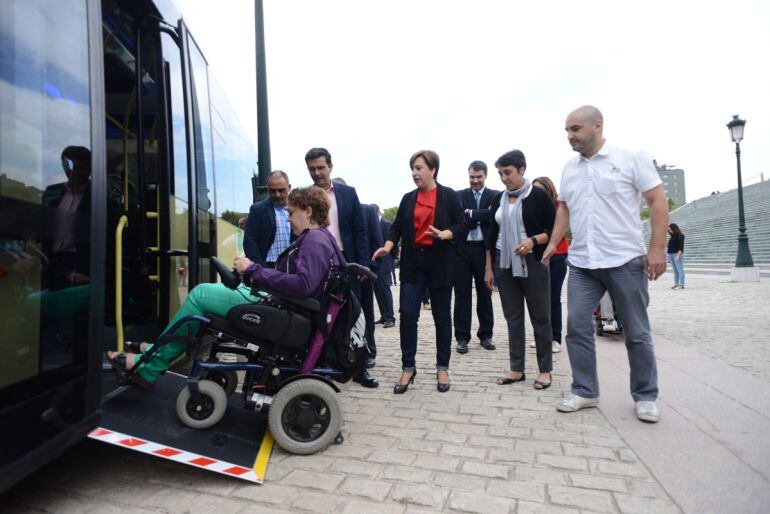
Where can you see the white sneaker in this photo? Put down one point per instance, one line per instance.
(532, 345)
(556, 347)
(647, 411)
(572, 402)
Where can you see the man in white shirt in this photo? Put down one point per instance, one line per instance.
(600, 201)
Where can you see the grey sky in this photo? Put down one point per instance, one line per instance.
(374, 82)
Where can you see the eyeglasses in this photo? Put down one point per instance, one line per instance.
(276, 191)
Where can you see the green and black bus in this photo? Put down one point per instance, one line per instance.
(122, 170)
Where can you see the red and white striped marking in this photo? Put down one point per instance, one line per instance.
(175, 454)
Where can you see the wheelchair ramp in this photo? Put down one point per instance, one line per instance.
(146, 421)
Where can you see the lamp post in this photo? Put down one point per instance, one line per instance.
(744, 259)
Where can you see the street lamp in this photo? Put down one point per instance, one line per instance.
(743, 260)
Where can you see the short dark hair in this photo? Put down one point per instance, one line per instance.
(376, 207)
(315, 153)
(315, 198)
(279, 173)
(513, 158)
(79, 154)
(478, 166)
(430, 157)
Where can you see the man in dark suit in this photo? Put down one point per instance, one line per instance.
(346, 223)
(268, 232)
(375, 241)
(471, 257)
(384, 269)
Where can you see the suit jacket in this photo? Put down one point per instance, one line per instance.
(373, 231)
(447, 215)
(260, 231)
(386, 264)
(479, 216)
(352, 225)
(52, 197)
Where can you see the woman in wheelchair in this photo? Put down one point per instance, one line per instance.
(299, 272)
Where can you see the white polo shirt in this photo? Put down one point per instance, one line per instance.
(603, 195)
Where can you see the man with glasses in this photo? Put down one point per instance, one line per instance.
(268, 232)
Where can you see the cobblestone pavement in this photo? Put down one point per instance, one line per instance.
(479, 448)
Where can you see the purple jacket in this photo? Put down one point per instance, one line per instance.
(302, 268)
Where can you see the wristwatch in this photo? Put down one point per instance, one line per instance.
(534, 241)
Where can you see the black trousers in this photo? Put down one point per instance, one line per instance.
(470, 268)
(367, 305)
(384, 297)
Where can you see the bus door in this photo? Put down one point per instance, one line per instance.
(148, 185)
(51, 241)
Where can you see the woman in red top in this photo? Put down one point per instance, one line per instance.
(428, 222)
(558, 268)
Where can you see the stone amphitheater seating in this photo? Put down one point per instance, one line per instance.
(710, 225)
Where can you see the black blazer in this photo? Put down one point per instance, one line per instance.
(479, 217)
(538, 212)
(448, 215)
(373, 232)
(260, 231)
(385, 263)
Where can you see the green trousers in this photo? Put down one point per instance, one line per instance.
(203, 299)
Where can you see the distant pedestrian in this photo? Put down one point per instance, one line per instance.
(600, 196)
(475, 202)
(557, 269)
(523, 219)
(676, 254)
(428, 221)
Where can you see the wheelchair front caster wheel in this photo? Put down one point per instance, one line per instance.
(207, 410)
(339, 439)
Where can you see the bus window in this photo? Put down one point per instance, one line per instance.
(45, 201)
(204, 165)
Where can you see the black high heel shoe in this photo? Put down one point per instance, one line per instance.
(401, 388)
(442, 388)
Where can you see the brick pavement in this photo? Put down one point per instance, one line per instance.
(479, 448)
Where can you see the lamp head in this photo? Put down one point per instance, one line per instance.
(736, 128)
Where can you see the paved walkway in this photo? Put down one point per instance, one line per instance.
(487, 448)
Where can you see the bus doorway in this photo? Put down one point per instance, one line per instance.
(148, 222)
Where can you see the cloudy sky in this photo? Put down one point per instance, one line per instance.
(376, 81)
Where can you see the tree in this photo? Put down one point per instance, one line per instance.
(390, 213)
(232, 217)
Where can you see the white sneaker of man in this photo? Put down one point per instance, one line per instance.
(572, 402)
(647, 411)
(556, 347)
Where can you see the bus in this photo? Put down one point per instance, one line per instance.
(122, 171)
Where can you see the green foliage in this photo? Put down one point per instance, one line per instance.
(232, 217)
(390, 213)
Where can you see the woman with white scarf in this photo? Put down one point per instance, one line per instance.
(517, 236)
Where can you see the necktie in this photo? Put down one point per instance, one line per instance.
(475, 234)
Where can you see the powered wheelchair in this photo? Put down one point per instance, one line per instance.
(272, 336)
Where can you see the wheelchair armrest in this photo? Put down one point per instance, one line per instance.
(307, 304)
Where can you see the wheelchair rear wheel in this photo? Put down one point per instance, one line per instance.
(207, 411)
(305, 416)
